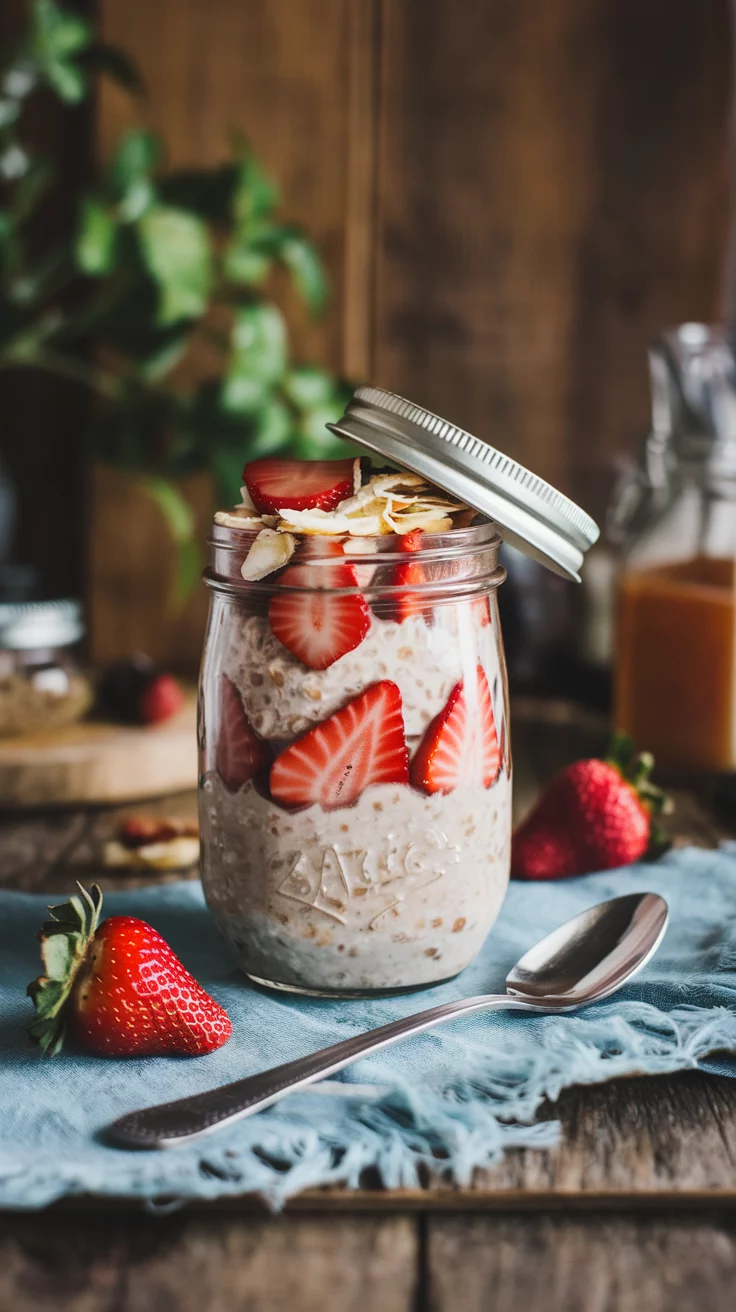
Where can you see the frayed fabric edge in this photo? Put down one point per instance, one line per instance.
(443, 1132)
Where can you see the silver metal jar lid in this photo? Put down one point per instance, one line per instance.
(38, 625)
(533, 515)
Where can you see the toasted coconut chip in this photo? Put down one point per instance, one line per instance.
(354, 505)
(236, 519)
(428, 520)
(269, 552)
(366, 526)
(328, 522)
(383, 483)
(357, 474)
(245, 499)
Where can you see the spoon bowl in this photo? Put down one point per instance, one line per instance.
(586, 959)
(591, 956)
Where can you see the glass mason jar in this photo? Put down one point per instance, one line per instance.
(675, 669)
(42, 683)
(382, 887)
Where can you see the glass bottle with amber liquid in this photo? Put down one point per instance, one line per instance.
(675, 645)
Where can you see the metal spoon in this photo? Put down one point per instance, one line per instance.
(586, 959)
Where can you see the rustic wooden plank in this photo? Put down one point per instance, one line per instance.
(361, 233)
(671, 1136)
(553, 190)
(588, 1264)
(140, 1263)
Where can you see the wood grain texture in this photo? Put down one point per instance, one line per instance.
(591, 1264)
(97, 1263)
(553, 190)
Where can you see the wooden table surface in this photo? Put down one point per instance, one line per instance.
(635, 1211)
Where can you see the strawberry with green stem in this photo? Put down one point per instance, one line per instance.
(118, 988)
(594, 815)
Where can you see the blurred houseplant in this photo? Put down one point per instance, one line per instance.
(169, 322)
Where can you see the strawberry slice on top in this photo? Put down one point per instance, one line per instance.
(460, 745)
(275, 485)
(240, 754)
(315, 625)
(362, 744)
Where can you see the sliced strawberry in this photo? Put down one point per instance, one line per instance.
(460, 745)
(240, 753)
(316, 626)
(482, 611)
(409, 574)
(362, 744)
(276, 485)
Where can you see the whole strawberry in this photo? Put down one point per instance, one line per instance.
(594, 815)
(118, 988)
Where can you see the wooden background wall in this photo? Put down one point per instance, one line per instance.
(512, 196)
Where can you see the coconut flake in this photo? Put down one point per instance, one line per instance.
(246, 499)
(269, 552)
(234, 519)
(329, 522)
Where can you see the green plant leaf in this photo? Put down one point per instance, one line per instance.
(314, 441)
(243, 264)
(271, 431)
(57, 36)
(291, 248)
(188, 571)
(256, 195)
(57, 33)
(301, 259)
(176, 251)
(96, 244)
(258, 357)
(308, 387)
(179, 517)
(137, 153)
(9, 111)
(161, 362)
(174, 507)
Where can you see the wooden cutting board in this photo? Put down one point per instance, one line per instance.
(97, 762)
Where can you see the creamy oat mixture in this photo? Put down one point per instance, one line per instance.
(399, 889)
(283, 699)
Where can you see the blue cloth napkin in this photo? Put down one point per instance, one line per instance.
(452, 1099)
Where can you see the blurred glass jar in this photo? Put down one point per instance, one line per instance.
(42, 685)
(674, 517)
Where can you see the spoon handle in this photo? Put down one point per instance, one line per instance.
(172, 1123)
